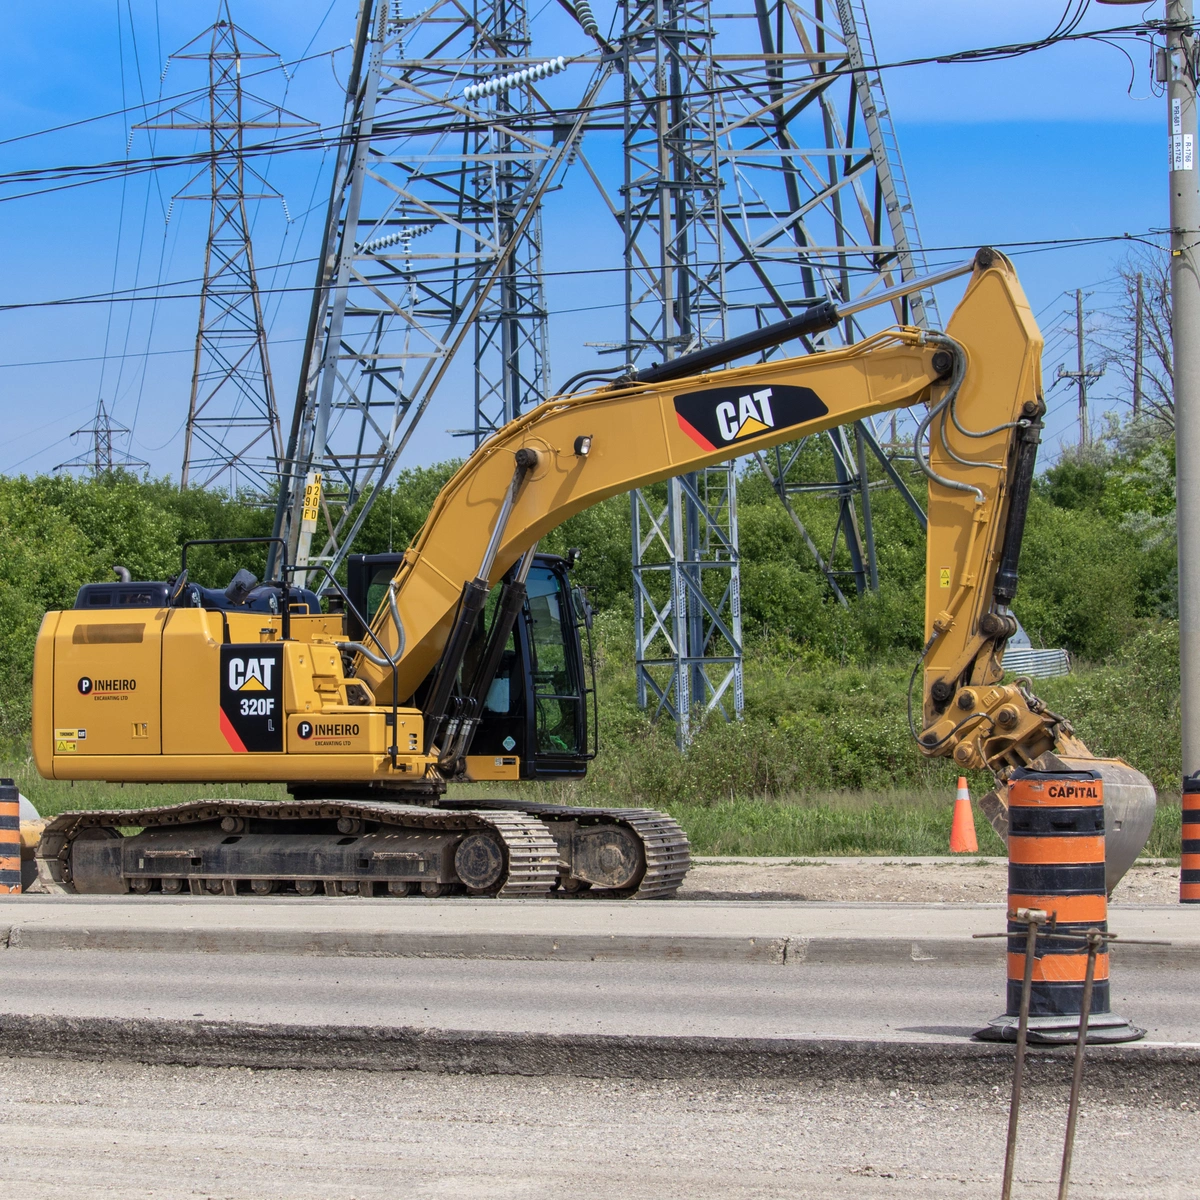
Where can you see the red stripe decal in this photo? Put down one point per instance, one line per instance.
(694, 434)
(231, 735)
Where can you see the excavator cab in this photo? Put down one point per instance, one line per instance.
(538, 719)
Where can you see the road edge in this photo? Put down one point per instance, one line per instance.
(1145, 1069)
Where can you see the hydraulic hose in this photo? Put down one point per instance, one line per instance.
(958, 373)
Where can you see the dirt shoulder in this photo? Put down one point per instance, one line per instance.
(942, 881)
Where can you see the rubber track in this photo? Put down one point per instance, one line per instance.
(667, 850)
(531, 850)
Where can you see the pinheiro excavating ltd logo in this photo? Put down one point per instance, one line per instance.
(333, 729)
(88, 686)
(719, 417)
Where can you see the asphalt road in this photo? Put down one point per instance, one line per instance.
(125, 1131)
(910, 1001)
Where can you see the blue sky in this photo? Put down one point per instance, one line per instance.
(1064, 143)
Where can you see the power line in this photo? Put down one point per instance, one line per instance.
(178, 96)
(126, 295)
(101, 172)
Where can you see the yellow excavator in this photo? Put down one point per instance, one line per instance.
(462, 659)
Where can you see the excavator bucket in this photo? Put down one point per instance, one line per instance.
(1129, 803)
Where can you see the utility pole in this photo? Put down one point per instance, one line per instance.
(1185, 341)
(1176, 68)
(1082, 375)
(1138, 350)
(1081, 369)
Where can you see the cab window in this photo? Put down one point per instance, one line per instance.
(556, 691)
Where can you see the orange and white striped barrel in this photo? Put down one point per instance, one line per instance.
(1056, 863)
(1189, 864)
(10, 837)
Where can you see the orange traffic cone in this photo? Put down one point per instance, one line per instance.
(962, 831)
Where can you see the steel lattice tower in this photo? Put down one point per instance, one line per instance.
(433, 242)
(232, 434)
(762, 173)
(818, 205)
(103, 455)
(687, 611)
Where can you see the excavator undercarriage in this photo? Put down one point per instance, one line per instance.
(353, 848)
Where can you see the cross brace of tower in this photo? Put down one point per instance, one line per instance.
(232, 435)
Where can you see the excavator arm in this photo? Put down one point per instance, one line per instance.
(573, 451)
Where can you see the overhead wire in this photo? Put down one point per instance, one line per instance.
(151, 182)
(120, 216)
(273, 313)
(333, 136)
(180, 97)
(132, 294)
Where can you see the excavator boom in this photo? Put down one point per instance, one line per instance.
(579, 450)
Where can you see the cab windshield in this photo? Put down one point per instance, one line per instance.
(556, 690)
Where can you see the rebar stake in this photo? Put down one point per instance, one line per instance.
(1095, 939)
(1033, 917)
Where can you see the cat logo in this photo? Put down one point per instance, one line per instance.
(251, 713)
(250, 674)
(720, 417)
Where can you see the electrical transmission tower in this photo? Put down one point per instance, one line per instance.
(847, 220)
(762, 173)
(103, 456)
(686, 575)
(232, 435)
(433, 242)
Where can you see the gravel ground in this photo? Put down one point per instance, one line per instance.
(117, 1130)
(972, 880)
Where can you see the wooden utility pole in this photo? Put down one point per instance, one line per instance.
(1082, 375)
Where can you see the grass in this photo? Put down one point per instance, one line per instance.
(845, 823)
(831, 823)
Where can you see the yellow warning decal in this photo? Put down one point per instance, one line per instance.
(944, 577)
(312, 497)
(62, 746)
